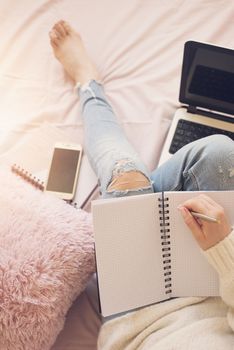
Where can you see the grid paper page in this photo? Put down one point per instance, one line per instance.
(192, 275)
(128, 252)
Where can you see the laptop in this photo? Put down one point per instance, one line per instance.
(206, 95)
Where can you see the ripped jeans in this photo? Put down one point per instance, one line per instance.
(206, 164)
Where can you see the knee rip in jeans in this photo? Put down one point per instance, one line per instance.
(126, 177)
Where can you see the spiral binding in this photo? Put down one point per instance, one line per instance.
(18, 170)
(27, 177)
(165, 241)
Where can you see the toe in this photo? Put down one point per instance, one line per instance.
(58, 31)
(53, 38)
(54, 43)
(66, 27)
(59, 28)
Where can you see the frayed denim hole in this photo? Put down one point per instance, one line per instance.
(126, 193)
(119, 167)
(138, 189)
(148, 183)
(122, 166)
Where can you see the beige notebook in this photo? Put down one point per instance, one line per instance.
(145, 253)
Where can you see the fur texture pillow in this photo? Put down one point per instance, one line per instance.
(46, 259)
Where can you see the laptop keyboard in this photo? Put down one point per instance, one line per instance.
(187, 132)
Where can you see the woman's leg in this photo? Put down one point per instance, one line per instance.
(117, 165)
(206, 164)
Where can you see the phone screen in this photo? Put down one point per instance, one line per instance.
(63, 170)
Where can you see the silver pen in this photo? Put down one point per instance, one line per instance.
(204, 217)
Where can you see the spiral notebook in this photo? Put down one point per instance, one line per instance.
(145, 253)
(30, 159)
(86, 189)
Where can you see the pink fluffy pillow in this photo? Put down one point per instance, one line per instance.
(46, 259)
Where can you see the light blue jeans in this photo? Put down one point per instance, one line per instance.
(206, 164)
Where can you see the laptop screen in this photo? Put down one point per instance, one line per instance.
(208, 77)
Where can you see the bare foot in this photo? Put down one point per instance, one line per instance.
(70, 51)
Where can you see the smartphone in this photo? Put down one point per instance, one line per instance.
(64, 170)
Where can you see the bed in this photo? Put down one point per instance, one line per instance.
(137, 46)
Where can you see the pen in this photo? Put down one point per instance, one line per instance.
(204, 217)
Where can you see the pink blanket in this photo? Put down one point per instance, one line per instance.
(137, 46)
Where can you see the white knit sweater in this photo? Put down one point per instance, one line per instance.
(183, 323)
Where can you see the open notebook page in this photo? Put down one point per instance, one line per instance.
(128, 252)
(192, 275)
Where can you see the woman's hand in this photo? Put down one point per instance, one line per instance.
(206, 233)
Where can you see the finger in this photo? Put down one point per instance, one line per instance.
(213, 208)
(202, 204)
(210, 200)
(196, 204)
(192, 224)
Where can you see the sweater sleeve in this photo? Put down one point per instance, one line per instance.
(221, 257)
